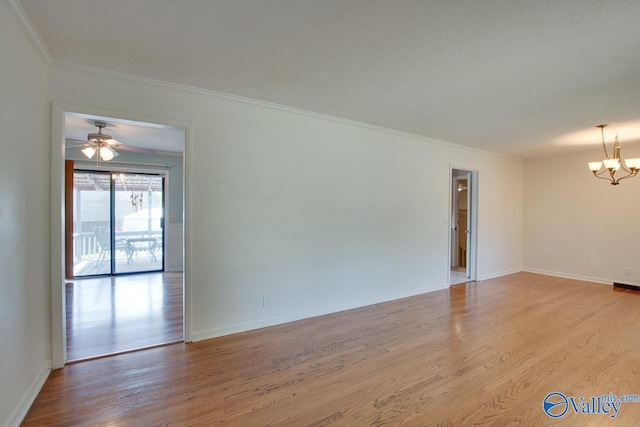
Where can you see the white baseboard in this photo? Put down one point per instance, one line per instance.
(27, 399)
(569, 276)
(277, 320)
(499, 274)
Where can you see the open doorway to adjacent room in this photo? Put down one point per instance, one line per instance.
(124, 286)
(463, 226)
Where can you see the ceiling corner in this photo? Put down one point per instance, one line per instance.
(30, 31)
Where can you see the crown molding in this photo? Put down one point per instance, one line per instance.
(29, 30)
(294, 110)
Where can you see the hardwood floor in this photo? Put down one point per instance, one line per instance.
(114, 314)
(478, 353)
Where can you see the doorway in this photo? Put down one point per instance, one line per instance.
(145, 300)
(117, 212)
(463, 225)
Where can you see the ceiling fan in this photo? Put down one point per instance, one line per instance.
(101, 145)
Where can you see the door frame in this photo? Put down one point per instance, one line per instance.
(472, 218)
(58, 149)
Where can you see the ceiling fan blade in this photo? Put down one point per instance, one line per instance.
(113, 143)
(71, 143)
(135, 149)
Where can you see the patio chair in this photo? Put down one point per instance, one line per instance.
(103, 237)
(104, 242)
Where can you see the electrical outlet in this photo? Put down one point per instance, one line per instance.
(172, 218)
(627, 271)
(266, 302)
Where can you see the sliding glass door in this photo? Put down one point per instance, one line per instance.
(118, 223)
(91, 223)
(139, 222)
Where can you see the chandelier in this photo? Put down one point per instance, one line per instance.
(613, 163)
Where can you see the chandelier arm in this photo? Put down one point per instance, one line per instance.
(608, 178)
(624, 167)
(600, 173)
(630, 175)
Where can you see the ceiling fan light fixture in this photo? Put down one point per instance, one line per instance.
(100, 143)
(107, 153)
(89, 152)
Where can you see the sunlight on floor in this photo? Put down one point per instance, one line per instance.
(113, 314)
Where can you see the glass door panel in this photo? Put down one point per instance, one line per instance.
(138, 222)
(91, 223)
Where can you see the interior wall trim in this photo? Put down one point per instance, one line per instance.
(29, 30)
(116, 165)
(300, 111)
(498, 274)
(30, 396)
(569, 276)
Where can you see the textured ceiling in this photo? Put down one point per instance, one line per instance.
(519, 77)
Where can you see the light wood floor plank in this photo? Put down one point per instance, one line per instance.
(483, 353)
(107, 315)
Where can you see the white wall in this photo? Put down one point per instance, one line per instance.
(317, 215)
(24, 223)
(579, 226)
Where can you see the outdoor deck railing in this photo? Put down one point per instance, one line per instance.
(86, 244)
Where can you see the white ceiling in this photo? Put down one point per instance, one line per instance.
(520, 77)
